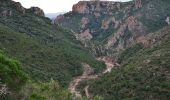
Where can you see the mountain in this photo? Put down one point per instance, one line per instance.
(135, 35)
(101, 50)
(142, 74)
(45, 50)
(107, 27)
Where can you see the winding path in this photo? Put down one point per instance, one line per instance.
(87, 75)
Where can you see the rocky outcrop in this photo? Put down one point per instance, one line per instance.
(18, 7)
(37, 11)
(58, 19)
(80, 7)
(142, 40)
(85, 35)
(115, 25)
(138, 4)
(105, 24)
(6, 13)
(84, 22)
(132, 25)
(96, 7)
(168, 20)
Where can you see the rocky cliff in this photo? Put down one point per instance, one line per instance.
(7, 12)
(115, 25)
(37, 11)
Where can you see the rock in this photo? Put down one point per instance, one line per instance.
(97, 14)
(19, 7)
(58, 19)
(6, 13)
(132, 25)
(168, 20)
(84, 22)
(85, 35)
(105, 24)
(80, 7)
(138, 4)
(143, 40)
(37, 11)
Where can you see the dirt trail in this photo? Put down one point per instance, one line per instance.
(87, 76)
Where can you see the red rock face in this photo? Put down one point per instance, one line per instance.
(80, 7)
(138, 4)
(142, 40)
(85, 35)
(58, 19)
(134, 26)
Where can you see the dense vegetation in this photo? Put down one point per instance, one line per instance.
(45, 50)
(11, 74)
(18, 85)
(143, 74)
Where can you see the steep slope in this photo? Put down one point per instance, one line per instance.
(107, 27)
(16, 85)
(144, 72)
(12, 78)
(45, 50)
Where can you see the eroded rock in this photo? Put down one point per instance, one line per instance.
(6, 13)
(138, 4)
(85, 35)
(19, 7)
(80, 7)
(84, 22)
(168, 20)
(37, 11)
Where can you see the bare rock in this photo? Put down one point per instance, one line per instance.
(37, 11)
(168, 20)
(85, 35)
(134, 26)
(105, 24)
(19, 7)
(80, 7)
(84, 22)
(58, 19)
(138, 4)
(6, 13)
(143, 40)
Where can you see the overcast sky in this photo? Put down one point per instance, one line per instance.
(53, 6)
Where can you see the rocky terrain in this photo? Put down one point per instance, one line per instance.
(107, 27)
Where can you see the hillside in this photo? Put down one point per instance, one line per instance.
(46, 51)
(143, 72)
(15, 84)
(134, 36)
(101, 50)
(107, 27)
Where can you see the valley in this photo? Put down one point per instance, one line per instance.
(100, 50)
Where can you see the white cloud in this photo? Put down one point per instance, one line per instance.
(53, 6)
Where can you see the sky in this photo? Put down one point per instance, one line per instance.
(53, 6)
